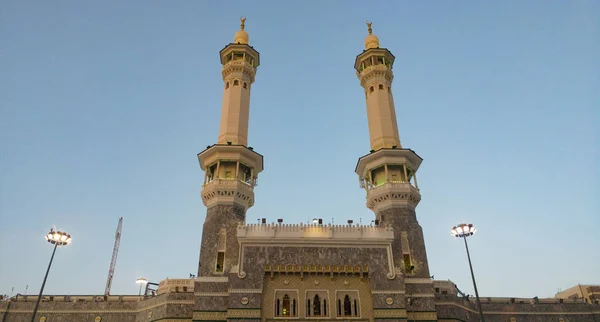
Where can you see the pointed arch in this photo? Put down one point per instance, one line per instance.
(286, 305)
(317, 305)
(347, 306)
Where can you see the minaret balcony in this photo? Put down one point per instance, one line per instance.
(239, 67)
(392, 194)
(228, 191)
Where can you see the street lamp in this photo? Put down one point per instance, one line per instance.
(463, 231)
(142, 281)
(57, 238)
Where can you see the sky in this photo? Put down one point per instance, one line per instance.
(104, 106)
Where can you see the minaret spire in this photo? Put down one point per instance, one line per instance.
(377, 82)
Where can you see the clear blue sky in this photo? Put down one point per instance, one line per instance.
(104, 106)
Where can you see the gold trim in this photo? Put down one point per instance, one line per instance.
(391, 313)
(243, 313)
(430, 316)
(213, 315)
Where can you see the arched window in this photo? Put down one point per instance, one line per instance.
(236, 82)
(324, 307)
(277, 308)
(347, 306)
(380, 86)
(245, 85)
(227, 85)
(307, 307)
(286, 305)
(339, 305)
(355, 308)
(317, 305)
(371, 89)
(294, 307)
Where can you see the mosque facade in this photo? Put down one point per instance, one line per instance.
(304, 272)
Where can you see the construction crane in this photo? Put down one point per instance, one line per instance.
(113, 261)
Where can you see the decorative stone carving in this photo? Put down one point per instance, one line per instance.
(428, 316)
(210, 315)
(243, 313)
(390, 313)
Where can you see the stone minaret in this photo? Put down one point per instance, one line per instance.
(230, 166)
(388, 173)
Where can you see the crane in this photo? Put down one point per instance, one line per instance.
(113, 261)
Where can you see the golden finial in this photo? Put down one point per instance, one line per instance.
(370, 29)
(243, 20)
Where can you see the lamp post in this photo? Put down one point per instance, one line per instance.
(142, 281)
(57, 238)
(463, 231)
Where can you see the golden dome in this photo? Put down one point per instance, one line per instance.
(241, 37)
(371, 41)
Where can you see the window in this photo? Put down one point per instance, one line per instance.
(371, 89)
(220, 262)
(286, 305)
(348, 304)
(236, 82)
(294, 307)
(408, 266)
(227, 85)
(380, 86)
(245, 85)
(317, 305)
(185, 289)
(238, 56)
(221, 246)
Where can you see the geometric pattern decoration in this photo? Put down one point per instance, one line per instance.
(422, 316)
(411, 199)
(210, 316)
(389, 314)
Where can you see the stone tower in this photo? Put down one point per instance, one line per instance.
(230, 166)
(388, 173)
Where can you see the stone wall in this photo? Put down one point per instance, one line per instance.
(257, 257)
(453, 308)
(405, 219)
(174, 306)
(217, 217)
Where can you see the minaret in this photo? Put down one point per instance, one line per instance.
(388, 174)
(230, 166)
